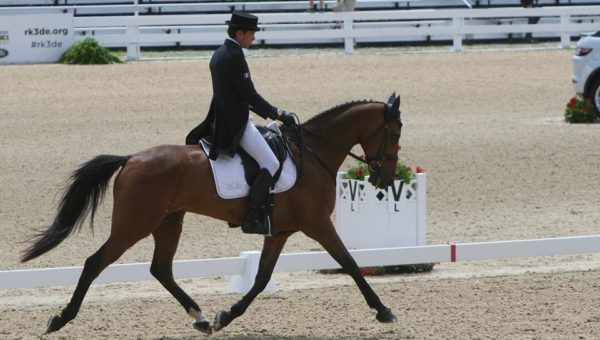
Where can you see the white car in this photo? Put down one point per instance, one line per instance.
(586, 68)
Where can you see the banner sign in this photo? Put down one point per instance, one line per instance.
(34, 38)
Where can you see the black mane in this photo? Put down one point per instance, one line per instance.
(337, 109)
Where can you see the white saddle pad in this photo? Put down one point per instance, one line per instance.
(229, 173)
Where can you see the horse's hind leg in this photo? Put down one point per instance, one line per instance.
(112, 249)
(166, 239)
(270, 253)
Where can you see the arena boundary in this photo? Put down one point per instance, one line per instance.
(348, 28)
(243, 268)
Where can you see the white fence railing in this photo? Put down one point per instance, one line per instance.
(452, 24)
(456, 25)
(94, 7)
(244, 268)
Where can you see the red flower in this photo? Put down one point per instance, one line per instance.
(359, 172)
(420, 170)
(572, 102)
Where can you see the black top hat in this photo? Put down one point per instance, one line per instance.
(244, 21)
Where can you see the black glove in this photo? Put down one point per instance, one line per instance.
(287, 118)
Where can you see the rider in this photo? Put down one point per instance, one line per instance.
(229, 122)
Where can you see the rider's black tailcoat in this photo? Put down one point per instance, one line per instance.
(233, 96)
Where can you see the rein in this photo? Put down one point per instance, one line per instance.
(372, 162)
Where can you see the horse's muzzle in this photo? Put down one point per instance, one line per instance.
(380, 181)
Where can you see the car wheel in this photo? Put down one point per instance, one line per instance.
(595, 95)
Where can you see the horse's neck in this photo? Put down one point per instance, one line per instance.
(343, 130)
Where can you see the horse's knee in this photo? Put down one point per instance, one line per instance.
(155, 271)
(159, 272)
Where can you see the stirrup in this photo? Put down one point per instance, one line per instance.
(255, 222)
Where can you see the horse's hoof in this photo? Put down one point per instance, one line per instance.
(386, 315)
(203, 327)
(55, 323)
(222, 319)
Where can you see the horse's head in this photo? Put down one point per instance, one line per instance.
(380, 144)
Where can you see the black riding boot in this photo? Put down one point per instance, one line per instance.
(254, 223)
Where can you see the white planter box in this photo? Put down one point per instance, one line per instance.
(367, 217)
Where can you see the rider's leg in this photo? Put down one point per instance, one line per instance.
(254, 144)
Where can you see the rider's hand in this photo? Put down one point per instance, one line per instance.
(287, 118)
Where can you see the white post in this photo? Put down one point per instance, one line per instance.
(348, 35)
(133, 30)
(457, 35)
(133, 45)
(565, 35)
(136, 10)
(243, 283)
(421, 209)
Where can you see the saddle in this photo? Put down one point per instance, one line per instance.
(228, 171)
(235, 175)
(277, 145)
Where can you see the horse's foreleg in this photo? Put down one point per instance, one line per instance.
(329, 239)
(107, 254)
(270, 253)
(166, 240)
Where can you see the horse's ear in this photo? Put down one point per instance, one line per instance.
(395, 105)
(391, 99)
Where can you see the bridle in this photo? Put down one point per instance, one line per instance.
(373, 163)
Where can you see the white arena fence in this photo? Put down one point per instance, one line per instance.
(244, 268)
(456, 25)
(126, 7)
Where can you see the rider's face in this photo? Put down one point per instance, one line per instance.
(244, 39)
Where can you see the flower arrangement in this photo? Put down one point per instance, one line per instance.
(357, 172)
(580, 111)
(403, 172)
(387, 270)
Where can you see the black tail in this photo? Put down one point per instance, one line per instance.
(85, 192)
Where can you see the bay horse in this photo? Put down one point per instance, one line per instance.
(156, 187)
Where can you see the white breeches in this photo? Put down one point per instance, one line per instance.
(255, 145)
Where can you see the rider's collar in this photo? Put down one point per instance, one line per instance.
(231, 39)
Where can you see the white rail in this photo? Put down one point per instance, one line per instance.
(451, 24)
(454, 25)
(243, 268)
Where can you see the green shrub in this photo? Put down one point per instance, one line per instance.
(86, 52)
(580, 111)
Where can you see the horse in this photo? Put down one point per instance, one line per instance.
(156, 187)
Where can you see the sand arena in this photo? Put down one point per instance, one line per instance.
(487, 126)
